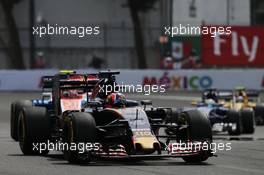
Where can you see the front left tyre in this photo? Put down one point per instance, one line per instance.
(16, 108)
(33, 129)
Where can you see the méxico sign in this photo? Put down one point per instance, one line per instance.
(173, 80)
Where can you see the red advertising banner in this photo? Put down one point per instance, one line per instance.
(243, 47)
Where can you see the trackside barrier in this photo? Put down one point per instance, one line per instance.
(30, 80)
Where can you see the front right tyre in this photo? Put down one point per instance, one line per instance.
(248, 121)
(259, 114)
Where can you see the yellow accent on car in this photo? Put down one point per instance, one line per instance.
(67, 72)
(146, 142)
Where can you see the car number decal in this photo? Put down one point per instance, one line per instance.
(70, 105)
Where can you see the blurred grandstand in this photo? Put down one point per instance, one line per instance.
(114, 47)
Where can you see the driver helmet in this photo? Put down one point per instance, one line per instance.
(71, 94)
(116, 100)
(240, 98)
(241, 95)
(212, 95)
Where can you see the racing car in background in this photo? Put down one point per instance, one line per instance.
(242, 99)
(74, 110)
(235, 121)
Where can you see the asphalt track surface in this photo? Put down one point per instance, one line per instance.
(245, 157)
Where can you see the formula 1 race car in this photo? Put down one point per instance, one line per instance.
(235, 121)
(241, 99)
(76, 112)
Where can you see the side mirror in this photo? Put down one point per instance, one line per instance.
(146, 102)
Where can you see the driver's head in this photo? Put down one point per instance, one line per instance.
(240, 93)
(66, 94)
(72, 93)
(116, 100)
(240, 98)
(212, 95)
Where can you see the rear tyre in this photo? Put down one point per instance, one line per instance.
(33, 129)
(78, 128)
(259, 115)
(16, 108)
(234, 118)
(199, 130)
(248, 121)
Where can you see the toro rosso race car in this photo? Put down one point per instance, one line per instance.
(233, 120)
(73, 111)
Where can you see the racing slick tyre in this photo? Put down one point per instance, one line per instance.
(259, 114)
(248, 121)
(33, 130)
(79, 128)
(16, 108)
(234, 117)
(199, 129)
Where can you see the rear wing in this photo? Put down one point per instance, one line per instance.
(108, 74)
(65, 81)
(47, 81)
(77, 84)
(252, 93)
(225, 95)
(219, 94)
(229, 94)
(84, 82)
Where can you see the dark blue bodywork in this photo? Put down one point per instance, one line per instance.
(215, 112)
(42, 103)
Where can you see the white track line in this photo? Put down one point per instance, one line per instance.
(258, 171)
(166, 97)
